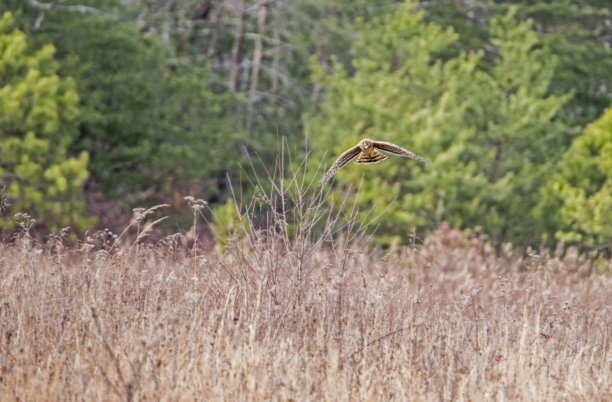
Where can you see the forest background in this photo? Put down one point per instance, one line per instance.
(109, 105)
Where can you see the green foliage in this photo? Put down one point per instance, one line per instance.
(579, 34)
(518, 135)
(151, 124)
(228, 223)
(480, 87)
(395, 94)
(291, 33)
(578, 199)
(489, 132)
(38, 115)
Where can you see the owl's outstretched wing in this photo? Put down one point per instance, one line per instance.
(397, 150)
(345, 158)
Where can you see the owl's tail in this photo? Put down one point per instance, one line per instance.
(374, 158)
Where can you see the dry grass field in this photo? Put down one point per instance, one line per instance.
(271, 319)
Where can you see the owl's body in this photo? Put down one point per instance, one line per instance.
(371, 155)
(368, 151)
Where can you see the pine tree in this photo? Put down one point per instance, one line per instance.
(38, 115)
(489, 131)
(153, 123)
(519, 135)
(578, 199)
(399, 92)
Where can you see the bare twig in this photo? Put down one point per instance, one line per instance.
(380, 338)
(55, 6)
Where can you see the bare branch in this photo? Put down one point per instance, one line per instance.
(271, 41)
(276, 49)
(258, 51)
(255, 7)
(55, 6)
(233, 76)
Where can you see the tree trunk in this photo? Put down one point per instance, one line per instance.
(277, 48)
(497, 166)
(235, 64)
(262, 14)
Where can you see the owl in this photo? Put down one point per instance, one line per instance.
(368, 153)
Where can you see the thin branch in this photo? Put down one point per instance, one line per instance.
(255, 7)
(352, 355)
(55, 6)
(276, 49)
(258, 51)
(270, 41)
(233, 76)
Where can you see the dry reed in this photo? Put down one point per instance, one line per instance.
(301, 308)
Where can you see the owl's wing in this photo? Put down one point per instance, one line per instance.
(397, 150)
(345, 158)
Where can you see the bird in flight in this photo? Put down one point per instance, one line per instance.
(369, 154)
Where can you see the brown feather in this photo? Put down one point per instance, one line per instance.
(374, 158)
(369, 154)
(397, 150)
(345, 158)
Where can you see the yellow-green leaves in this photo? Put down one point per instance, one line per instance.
(582, 190)
(38, 116)
(228, 223)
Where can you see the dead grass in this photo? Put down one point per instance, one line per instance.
(298, 306)
(448, 320)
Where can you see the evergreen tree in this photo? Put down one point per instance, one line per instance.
(38, 116)
(399, 92)
(578, 33)
(578, 199)
(154, 126)
(489, 132)
(519, 134)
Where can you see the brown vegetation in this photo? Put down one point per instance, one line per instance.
(267, 319)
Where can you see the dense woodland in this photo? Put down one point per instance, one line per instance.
(109, 105)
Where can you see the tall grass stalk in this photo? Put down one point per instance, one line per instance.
(297, 305)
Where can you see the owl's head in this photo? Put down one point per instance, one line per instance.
(365, 144)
